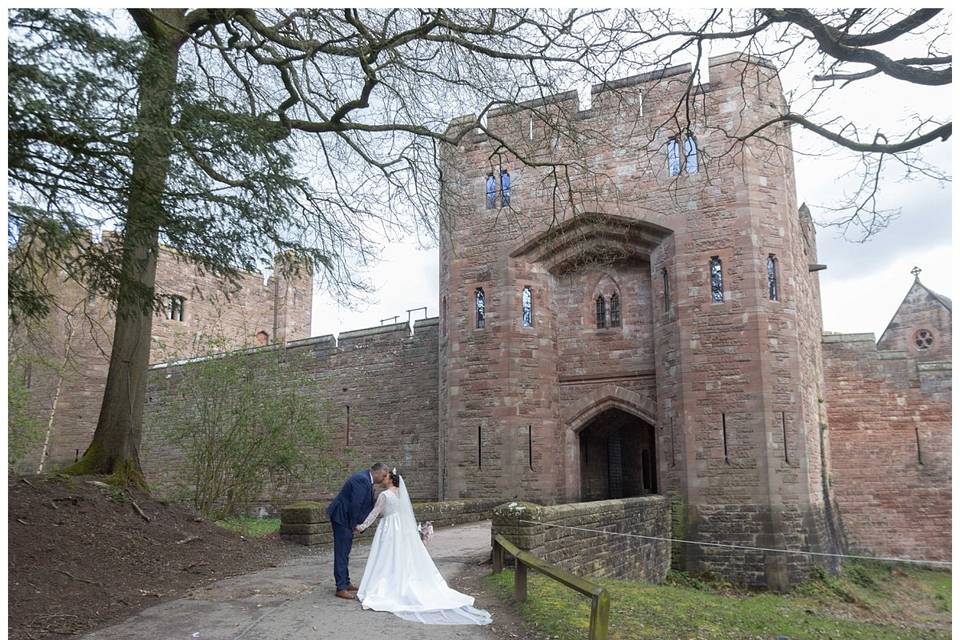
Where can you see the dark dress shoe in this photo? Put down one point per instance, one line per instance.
(346, 595)
(350, 587)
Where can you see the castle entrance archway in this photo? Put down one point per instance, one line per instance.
(617, 456)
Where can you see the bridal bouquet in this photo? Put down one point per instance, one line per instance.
(426, 531)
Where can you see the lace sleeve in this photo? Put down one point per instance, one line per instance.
(377, 510)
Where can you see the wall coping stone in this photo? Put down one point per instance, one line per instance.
(892, 355)
(849, 337)
(945, 365)
(360, 333)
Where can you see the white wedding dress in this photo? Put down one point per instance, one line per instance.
(400, 576)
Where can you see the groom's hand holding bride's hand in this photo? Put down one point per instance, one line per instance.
(357, 531)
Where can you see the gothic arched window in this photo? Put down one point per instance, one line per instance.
(526, 307)
(772, 285)
(175, 308)
(716, 279)
(690, 154)
(673, 156)
(601, 312)
(614, 310)
(481, 308)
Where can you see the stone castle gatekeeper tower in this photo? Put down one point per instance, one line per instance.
(644, 320)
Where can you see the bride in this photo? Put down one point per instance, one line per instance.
(400, 576)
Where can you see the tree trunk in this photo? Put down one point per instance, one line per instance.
(115, 449)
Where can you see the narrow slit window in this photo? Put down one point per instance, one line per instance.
(530, 446)
(666, 290)
(916, 431)
(690, 154)
(348, 426)
(481, 308)
(723, 424)
(614, 310)
(716, 279)
(601, 312)
(773, 285)
(673, 156)
(526, 305)
(783, 426)
(444, 314)
(479, 447)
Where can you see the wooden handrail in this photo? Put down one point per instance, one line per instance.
(600, 599)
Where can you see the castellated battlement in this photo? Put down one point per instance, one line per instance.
(325, 345)
(659, 83)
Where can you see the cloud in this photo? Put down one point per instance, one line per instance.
(865, 303)
(405, 278)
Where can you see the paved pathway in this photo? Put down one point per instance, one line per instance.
(295, 600)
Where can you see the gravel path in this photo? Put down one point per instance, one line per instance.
(296, 600)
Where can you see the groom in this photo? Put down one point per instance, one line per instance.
(351, 507)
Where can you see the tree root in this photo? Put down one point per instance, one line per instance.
(73, 577)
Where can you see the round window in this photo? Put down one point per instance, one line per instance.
(923, 339)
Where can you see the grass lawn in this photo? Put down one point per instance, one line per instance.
(867, 600)
(251, 527)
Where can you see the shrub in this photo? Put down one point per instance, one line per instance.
(246, 423)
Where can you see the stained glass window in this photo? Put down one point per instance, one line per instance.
(673, 156)
(690, 154)
(614, 310)
(601, 312)
(527, 307)
(481, 309)
(772, 284)
(716, 279)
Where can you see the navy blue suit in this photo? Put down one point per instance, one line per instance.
(351, 507)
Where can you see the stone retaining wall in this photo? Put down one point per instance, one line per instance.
(306, 522)
(591, 554)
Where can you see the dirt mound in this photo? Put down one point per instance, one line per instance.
(82, 555)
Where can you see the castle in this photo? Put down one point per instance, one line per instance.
(655, 330)
(66, 360)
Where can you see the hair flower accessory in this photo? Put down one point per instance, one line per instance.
(394, 471)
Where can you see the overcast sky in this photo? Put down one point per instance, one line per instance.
(864, 282)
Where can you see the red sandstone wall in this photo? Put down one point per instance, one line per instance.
(279, 306)
(894, 495)
(386, 376)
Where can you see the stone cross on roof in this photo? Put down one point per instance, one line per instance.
(916, 272)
